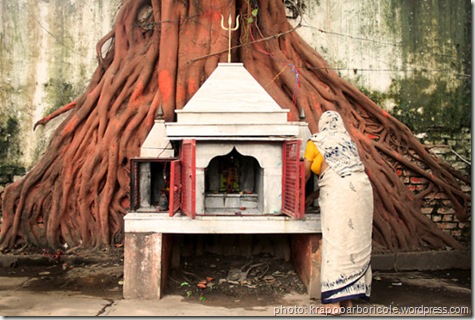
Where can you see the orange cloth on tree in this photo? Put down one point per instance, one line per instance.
(313, 155)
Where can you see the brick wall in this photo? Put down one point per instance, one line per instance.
(454, 149)
(437, 207)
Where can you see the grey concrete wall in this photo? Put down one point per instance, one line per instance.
(408, 55)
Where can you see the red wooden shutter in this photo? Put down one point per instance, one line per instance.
(302, 190)
(175, 186)
(188, 178)
(292, 190)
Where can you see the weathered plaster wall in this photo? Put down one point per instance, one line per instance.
(411, 57)
(47, 55)
(354, 38)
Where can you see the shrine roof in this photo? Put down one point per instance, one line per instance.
(231, 88)
(232, 104)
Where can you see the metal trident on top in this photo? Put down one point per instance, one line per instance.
(229, 29)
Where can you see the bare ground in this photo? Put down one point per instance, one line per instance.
(229, 281)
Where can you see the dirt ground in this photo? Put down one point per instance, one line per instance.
(232, 281)
(78, 273)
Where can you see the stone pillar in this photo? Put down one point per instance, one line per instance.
(146, 262)
(306, 256)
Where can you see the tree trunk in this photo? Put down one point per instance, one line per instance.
(160, 53)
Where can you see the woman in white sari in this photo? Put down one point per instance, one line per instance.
(346, 206)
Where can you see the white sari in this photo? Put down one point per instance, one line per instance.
(346, 205)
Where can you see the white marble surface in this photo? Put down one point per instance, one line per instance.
(232, 103)
(181, 224)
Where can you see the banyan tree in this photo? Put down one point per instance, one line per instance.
(159, 52)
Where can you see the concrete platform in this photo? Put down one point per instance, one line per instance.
(257, 224)
(420, 261)
(148, 246)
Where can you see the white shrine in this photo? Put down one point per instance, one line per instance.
(231, 111)
(230, 164)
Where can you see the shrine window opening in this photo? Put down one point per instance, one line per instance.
(150, 185)
(233, 185)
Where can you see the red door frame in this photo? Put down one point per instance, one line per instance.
(293, 180)
(188, 177)
(175, 187)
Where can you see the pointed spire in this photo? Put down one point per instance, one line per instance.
(160, 113)
(302, 114)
